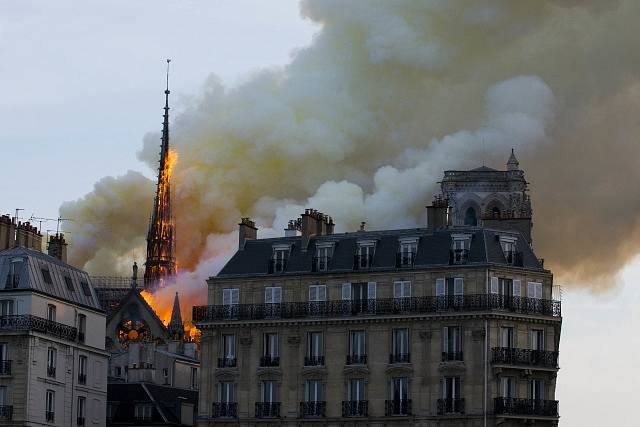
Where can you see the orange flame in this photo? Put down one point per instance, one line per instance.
(161, 308)
(172, 159)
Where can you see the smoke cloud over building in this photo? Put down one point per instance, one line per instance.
(362, 123)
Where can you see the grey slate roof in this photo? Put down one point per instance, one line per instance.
(433, 251)
(31, 277)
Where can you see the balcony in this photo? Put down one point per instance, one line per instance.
(80, 421)
(383, 306)
(50, 416)
(527, 407)
(452, 356)
(362, 262)
(399, 358)
(81, 337)
(356, 359)
(314, 361)
(405, 260)
(269, 361)
(313, 409)
(5, 367)
(82, 379)
(355, 408)
(458, 256)
(227, 362)
(525, 357)
(321, 264)
(267, 409)
(6, 413)
(450, 406)
(51, 371)
(513, 258)
(277, 266)
(397, 407)
(27, 322)
(224, 410)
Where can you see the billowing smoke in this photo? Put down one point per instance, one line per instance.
(362, 123)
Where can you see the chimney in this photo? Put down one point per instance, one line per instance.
(292, 228)
(314, 223)
(247, 231)
(28, 236)
(7, 232)
(57, 247)
(438, 214)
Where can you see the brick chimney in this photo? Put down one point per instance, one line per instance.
(28, 236)
(7, 232)
(57, 247)
(247, 231)
(438, 214)
(314, 223)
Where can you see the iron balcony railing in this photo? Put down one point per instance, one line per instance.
(267, 409)
(5, 367)
(451, 356)
(277, 265)
(458, 256)
(450, 406)
(50, 416)
(6, 413)
(355, 408)
(356, 359)
(532, 407)
(51, 371)
(523, 356)
(387, 306)
(314, 361)
(399, 358)
(321, 263)
(397, 407)
(362, 262)
(514, 258)
(405, 259)
(269, 361)
(224, 410)
(27, 322)
(313, 409)
(227, 362)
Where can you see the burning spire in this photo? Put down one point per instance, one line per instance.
(161, 263)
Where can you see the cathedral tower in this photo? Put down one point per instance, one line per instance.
(161, 264)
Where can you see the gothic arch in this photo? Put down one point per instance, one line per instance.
(495, 207)
(469, 201)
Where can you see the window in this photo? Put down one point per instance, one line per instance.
(402, 289)
(460, 244)
(5, 368)
(536, 389)
(6, 307)
(82, 370)
(226, 392)
(324, 252)
(51, 312)
(315, 349)
(534, 290)
(452, 340)
(357, 349)
(362, 296)
(52, 356)
(112, 408)
(399, 390)
(269, 391)
(82, 327)
(271, 356)
(470, 217)
(407, 253)
(451, 286)
(506, 337)
(356, 389)
(400, 345)
(165, 375)
(3, 397)
(228, 350)
(119, 371)
(364, 257)
(50, 405)
(13, 276)
(194, 378)
(507, 387)
(46, 276)
(536, 339)
(279, 259)
(317, 293)
(273, 295)
(230, 296)
(143, 412)
(82, 403)
(69, 283)
(451, 395)
(313, 391)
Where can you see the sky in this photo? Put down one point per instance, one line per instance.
(82, 83)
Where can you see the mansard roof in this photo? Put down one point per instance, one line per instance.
(78, 291)
(433, 251)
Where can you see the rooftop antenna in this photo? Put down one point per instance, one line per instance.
(483, 152)
(60, 219)
(40, 221)
(168, 62)
(18, 213)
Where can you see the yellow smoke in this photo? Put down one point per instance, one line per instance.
(363, 121)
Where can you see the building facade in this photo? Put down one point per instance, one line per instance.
(450, 325)
(53, 363)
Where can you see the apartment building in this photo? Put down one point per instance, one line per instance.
(454, 324)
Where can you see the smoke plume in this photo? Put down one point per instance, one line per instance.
(362, 123)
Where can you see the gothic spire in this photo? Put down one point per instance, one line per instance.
(512, 163)
(176, 328)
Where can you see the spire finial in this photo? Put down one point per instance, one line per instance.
(512, 163)
(168, 62)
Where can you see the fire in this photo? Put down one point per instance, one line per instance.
(161, 307)
(172, 159)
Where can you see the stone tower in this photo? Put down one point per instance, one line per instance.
(176, 328)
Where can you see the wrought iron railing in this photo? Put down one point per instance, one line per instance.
(277, 265)
(405, 259)
(534, 407)
(355, 408)
(523, 356)
(50, 416)
(267, 409)
(27, 322)
(386, 306)
(313, 409)
(224, 409)
(5, 367)
(362, 262)
(397, 407)
(450, 406)
(51, 371)
(458, 256)
(513, 258)
(356, 359)
(451, 356)
(322, 263)
(6, 413)
(314, 361)
(399, 358)
(227, 362)
(269, 361)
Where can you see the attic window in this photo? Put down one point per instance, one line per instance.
(324, 252)
(69, 283)
(46, 276)
(364, 256)
(279, 258)
(85, 289)
(460, 244)
(407, 252)
(13, 276)
(510, 250)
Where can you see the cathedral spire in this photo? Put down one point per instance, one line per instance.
(176, 328)
(512, 163)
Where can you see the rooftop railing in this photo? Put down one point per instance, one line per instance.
(378, 307)
(27, 322)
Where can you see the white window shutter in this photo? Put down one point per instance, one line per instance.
(458, 286)
(268, 295)
(407, 289)
(539, 290)
(371, 290)
(346, 291)
(440, 287)
(226, 296)
(517, 291)
(277, 295)
(322, 292)
(494, 285)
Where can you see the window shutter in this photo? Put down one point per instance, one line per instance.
(458, 286)
(517, 288)
(371, 290)
(539, 291)
(313, 293)
(445, 339)
(277, 295)
(397, 289)
(226, 296)
(268, 295)
(235, 296)
(534, 290)
(346, 291)
(322, 292)
(494, 285)
(440, 287)
(407, 289)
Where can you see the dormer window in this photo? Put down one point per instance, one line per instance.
(279, 258)
(324, 252)
(407, 252)
(13, 277)
(364, 255)
(460, 244)
(509, 249)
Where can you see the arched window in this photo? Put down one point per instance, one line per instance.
(495, 212)
(470, 217)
